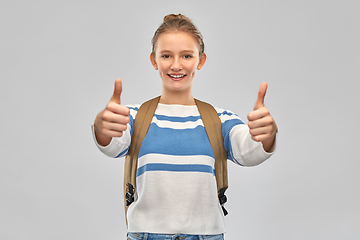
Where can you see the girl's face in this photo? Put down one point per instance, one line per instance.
(177, 59)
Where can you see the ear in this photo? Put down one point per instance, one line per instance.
(202, 61)
(152, 60)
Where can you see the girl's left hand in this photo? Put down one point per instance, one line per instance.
(261, 124)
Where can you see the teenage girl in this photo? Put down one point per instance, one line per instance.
(176, 195)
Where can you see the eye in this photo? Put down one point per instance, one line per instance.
(188, 56)
(165, 56)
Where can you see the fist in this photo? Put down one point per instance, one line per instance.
(113, 120)
(262, 126)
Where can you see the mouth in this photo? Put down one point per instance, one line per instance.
(176, 77)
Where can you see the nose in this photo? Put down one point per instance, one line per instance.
(176, 65)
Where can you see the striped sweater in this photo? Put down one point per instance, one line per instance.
(176, 186)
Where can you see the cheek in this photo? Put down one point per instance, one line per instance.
(163, 67)
(191, 66)
(162, 71)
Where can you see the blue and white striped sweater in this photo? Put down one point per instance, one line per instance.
(190, 139)
(176, 188)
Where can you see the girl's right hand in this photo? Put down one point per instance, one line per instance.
(113, 120)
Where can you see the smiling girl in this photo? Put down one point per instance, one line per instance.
(176, 195)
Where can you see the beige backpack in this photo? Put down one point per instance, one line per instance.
(213, 129)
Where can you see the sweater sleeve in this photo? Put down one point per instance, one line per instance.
(119, 146)
(240, 147)
(245, 151)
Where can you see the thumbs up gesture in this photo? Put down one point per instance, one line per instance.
(113, 120)
(261, 124)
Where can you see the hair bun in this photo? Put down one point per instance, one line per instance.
(171, 17)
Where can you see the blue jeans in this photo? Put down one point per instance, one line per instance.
(154, 236)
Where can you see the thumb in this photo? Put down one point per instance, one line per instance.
(117, 91)
(261, 96)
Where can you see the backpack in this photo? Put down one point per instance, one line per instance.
(213, 128)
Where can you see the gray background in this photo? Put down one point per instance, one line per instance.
(59, 60)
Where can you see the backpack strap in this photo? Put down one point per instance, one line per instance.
(213, 128)
(141, 125)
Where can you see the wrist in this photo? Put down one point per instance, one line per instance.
(101, 139)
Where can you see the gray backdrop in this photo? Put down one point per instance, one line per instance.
(59, 60)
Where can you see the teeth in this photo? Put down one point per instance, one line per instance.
(176, 76)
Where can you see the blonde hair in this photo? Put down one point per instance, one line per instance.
(178, 22)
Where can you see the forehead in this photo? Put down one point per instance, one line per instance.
(176, 41)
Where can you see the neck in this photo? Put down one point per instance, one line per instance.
(181, 98)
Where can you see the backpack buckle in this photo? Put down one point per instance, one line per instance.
(223, 200)
(129, 194)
